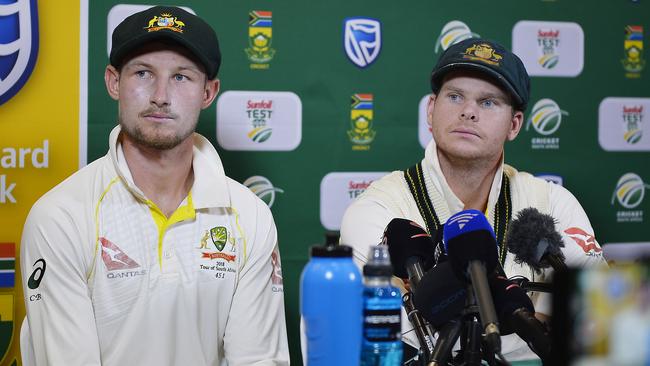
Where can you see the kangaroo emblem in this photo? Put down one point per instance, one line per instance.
(204, 240)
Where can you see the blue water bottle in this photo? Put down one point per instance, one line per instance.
(381, 344)
(331, 295)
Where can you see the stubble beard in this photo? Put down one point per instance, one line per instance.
(155, 138)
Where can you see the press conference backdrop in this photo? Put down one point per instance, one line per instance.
(321, 98)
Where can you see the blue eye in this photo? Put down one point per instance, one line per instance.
(454, 97)
(180, 77)
(488, 103)
(141, 73)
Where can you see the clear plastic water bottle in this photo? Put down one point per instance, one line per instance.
(382, 342)
(331, 301)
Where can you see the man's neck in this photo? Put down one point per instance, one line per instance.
(470, 181)
(164, 176)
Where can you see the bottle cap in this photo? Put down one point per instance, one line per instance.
(331, 251)
(378, 262)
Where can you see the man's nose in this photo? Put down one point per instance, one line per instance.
(160, 96)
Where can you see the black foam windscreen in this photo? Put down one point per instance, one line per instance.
(441, 295)
(407, 239)
(508, 297)
(532, 236)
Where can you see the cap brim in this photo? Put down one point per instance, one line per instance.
(441, 72)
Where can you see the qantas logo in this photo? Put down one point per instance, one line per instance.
(114, 258)
(585, 240)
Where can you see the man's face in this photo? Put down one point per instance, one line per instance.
(471, 117)
(160, 92)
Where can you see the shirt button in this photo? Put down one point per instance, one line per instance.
(168, 254)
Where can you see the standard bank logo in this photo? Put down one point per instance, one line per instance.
(18, 45)
(549, 48)
(453, 32)
(623, 125)
(362, 40)
(263, 188)
(545, 118)
(259, 121)
(338, 190)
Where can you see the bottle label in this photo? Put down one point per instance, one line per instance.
(382, 325)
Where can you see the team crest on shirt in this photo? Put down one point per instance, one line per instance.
(220, 238)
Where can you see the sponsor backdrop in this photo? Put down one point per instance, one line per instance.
(321, 98)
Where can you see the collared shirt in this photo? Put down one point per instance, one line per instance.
(390, 197)
(123, 284)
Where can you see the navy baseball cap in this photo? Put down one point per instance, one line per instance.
(490, 58)
(167, 23)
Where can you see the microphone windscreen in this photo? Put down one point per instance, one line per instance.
(531, 235)
(508, 297)
(440, 295)
(407, 239)
(468, 236)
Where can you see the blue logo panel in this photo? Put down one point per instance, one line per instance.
(362, 40)
(18, 45)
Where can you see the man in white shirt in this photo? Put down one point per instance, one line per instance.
(480, 91)
(151, 255)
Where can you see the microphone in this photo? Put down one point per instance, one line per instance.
(472, 249)
(517, 315)
(533, 240)
(441, 295)
(411, 249)
(440, 298)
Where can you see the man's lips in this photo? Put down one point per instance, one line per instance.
(465, 131)
(158, 116)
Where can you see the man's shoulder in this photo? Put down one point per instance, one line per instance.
(245, 199)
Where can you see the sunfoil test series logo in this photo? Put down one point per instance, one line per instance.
(554, 49)
(361, 133)
(260, 37)
(259, 112)
(622, 125)
(18, 45)
(263, 188)
(452, 33)
(548, 41)
(629, 193)
(545, 118)
(362, 40)
(632, 120)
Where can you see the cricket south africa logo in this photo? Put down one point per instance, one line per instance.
(452, 33)
(545, 118)
(263, 188)
(633, 62)
(361, 133)
(632, 122)
(260, 37)
(362, 40)
(548, 42)
(18, 45)
(629, 193)
(259, 112)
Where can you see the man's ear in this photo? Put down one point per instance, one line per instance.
(112, 80)
(211, 91)
(430, 105)
(516, 122)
